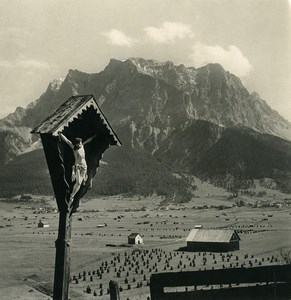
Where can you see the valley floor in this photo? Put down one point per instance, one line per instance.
(27, 252)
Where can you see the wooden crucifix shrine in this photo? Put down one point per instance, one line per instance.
(74, 139)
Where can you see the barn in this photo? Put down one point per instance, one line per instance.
(213, 240)
(42, 224)
(135, 238)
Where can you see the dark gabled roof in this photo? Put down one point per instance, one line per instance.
(42, 222)
(70, 110)
(211, 235)
(133, 235)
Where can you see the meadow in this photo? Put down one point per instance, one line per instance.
(100, 252)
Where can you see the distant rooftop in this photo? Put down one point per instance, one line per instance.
(211, 235)
(133, 235)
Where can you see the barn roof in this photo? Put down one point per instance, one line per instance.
(69, 111)
(211, 235)
(42, 222)
(133, 235)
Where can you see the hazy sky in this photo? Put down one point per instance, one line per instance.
(42, 39)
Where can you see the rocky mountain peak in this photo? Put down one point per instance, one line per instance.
(113, 65)
(56, 84)
(157, 97)
(200, 120)
(14, 118)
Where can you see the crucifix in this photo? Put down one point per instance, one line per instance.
(74, 139)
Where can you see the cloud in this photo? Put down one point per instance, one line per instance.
(34, 64)
(118, 38)
(24, 63)
(15, 37)
(168, 32)
(15, 33)
(230, 58)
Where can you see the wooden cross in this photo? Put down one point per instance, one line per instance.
(72, 170)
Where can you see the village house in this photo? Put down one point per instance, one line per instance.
(213, 240)
(135, 238)
(42, 224)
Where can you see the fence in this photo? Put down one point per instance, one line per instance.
(268, 282)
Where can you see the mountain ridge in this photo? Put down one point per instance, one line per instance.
(175, 114)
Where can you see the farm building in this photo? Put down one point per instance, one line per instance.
(213, 240)
(135, 238)
(42, 224)
(101, 225)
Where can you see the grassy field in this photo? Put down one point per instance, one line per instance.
(28, 252)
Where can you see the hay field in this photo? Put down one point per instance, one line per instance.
(100, 254)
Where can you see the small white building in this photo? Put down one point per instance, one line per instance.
(42, 224)
(198, 226)
(135, 238)
(101, 225)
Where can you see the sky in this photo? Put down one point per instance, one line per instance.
(40, 40)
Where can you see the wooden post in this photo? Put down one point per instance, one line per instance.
(156, 288)
(62, 261)
(114, 290)
(275, 285)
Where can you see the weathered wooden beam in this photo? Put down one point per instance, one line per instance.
(252, 276)
(114, 290)
(62, 261)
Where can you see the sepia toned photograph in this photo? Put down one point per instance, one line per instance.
(145, 149)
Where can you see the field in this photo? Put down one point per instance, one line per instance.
(100, 253)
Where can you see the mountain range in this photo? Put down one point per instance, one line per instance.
(174, 121)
